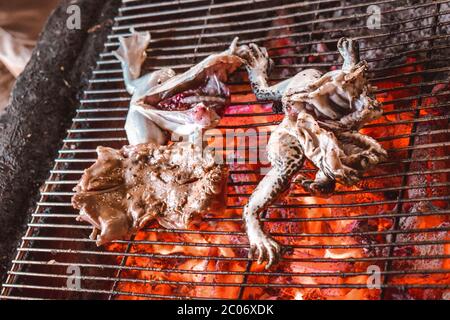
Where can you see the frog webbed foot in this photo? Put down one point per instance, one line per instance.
(131, 51)
(259, 65)
(256, 58)
(263, 247)
(131, 54)
(349, 50)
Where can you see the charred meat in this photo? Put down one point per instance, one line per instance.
(323, 113)
(125, 189)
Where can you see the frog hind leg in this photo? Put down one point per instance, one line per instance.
(286, 156)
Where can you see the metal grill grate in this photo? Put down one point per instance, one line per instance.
(334, 241)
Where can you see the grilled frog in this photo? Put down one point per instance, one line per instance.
(323, 113)
(162, 101)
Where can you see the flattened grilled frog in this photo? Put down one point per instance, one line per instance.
(323, 113)
(163, 101)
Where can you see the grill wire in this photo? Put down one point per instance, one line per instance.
(183, 33)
